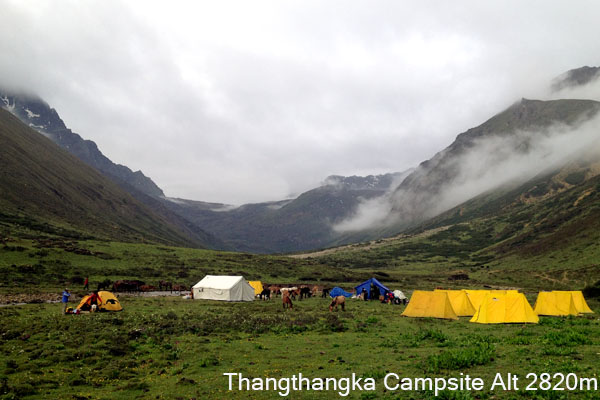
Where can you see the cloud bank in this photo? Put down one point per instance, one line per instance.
(238, 101)
(491, 162)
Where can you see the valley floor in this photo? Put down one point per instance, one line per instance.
(172, 348)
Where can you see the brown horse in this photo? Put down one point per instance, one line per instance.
(164, 285)
(338, 301)
(287, 302)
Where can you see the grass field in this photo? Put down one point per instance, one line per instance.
(171, 348)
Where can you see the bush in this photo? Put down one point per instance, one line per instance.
(592, 291)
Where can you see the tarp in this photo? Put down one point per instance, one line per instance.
(338, 291)
(505, 308)
(367, 286)
(226, 288)
(257, 285)
(399, 295)
(424, 304)
(555, 304)
(108, 302)
(460, 302)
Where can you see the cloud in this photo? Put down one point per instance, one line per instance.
(490, 162)
(238, 101)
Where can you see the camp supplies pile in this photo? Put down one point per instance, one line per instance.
(338, 291)
(225, 288)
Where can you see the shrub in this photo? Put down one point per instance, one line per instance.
(592, 291)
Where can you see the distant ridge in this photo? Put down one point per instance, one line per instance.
(41, 182)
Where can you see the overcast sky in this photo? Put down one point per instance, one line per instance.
(246, 101)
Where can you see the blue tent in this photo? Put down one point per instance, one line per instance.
(337, 291)
(367, 286)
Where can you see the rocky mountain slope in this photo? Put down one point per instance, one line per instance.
(37, 114)
(43, 186)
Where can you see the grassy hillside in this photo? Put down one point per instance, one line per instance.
(41, 183)
(542, 234)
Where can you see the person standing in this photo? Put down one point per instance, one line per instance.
(86, 283)
(65, 300)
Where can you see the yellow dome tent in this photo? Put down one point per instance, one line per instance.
(425, 304)
(460, 302)
(505, 308)
(258, 287)
(555, 304)
(108, 302)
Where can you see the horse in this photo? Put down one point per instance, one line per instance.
(338, 301)
(275, 290)
(179, 288)
(105, 284)
(289, 291)
(305, 292)
(265, 294)
(147, 288)
(287, 302)
(325, 293)
(164, 285)
(127, 286)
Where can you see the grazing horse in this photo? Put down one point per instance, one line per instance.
(164, 285)
(305, 292)
(265, 294)
(325, 292)
(290, 291)
(338, 301)
(287, 302)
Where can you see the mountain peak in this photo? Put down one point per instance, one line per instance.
(575, 77)
(37, 114)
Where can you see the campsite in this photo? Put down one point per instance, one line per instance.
(174, 348)
(171, 347)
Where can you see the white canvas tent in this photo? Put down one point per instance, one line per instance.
(226, 288)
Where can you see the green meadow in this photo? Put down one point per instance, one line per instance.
(172, 348)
